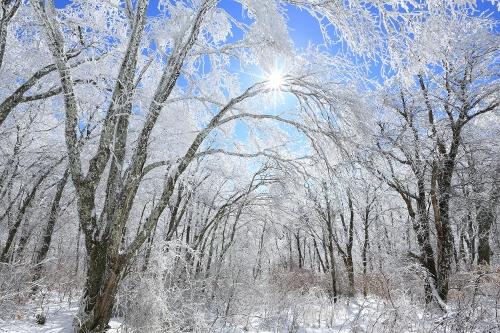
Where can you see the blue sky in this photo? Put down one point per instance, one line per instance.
(303, 30)
(303, 27)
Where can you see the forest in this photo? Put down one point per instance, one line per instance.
(226, 166)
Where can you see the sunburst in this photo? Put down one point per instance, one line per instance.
(275, 80)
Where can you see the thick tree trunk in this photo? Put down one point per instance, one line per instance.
(445, 253)
(421, 228)
(101, 286)
(445, 244)
(420, 224)
(350, 274)
(97, 319)
(427, 256)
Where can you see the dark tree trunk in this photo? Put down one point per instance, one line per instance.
(257, 270)
(9, 9)
(149, 248)
(445, 244)
(23, 240)
(211, 254)
(485, 218)
(420, 224)
(364, 253)
(350, 275)
(321, 264)
(25, 204)
(333, 276)
(44, 246)
(331, 265)
(4, 256)
(299, 250)
(445, 252)
(101, 286)
(349, 245)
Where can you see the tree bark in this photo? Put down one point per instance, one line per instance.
(331, 265)
(25, 204)
(364, 252)
(349, 245)
(485, 219)
(321, 264)
(46, 239)
(299, 250)
(9, 9)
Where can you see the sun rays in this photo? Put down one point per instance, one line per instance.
(275, 80)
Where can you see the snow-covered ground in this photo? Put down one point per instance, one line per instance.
(347, 318)
(358, 315)
(355, 316)
(59, 320)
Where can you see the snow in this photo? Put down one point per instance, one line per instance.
(348, 318)
(59, 320)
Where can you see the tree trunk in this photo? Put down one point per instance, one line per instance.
(257, 270)
(420, 224)
(470, 240)
(321, 264)
(4, 256)
(44, 246)
(350, 274)
(26, 231)
(9, 9)
(101, 285)
(485, 219)
(442, 179)
(333, 277)
(349, 245)
(364, 253)
(299, 251)
(97, 320)
(331, 265)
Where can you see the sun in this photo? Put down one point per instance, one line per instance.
(275, 80)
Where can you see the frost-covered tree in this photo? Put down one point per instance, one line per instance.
(443, 87)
